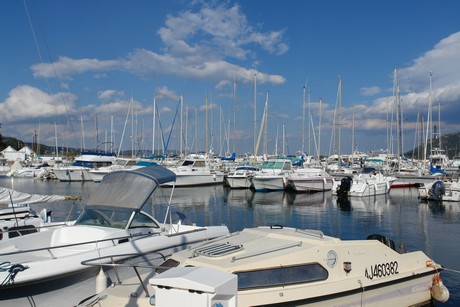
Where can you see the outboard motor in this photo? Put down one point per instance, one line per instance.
(345, 186)
(437, 190)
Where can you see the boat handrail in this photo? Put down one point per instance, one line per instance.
(15, 229)
(98, 263)
(266, 251)
(49, 248)
(311, 232)
(179, 233)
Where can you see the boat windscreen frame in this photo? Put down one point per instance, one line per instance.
(129, 188)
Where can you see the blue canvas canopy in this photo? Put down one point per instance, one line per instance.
(129, 188)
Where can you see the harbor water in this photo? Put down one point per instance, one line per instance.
(431, 227)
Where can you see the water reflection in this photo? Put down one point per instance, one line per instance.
(431, 227)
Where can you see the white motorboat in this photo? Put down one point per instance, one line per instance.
(195, 172)
(119, 164)
(114, 224)
(367, 183)
(441, 190)
(310, 180)
(79, 170)
(277, 266)
(241, 177)
(18, 218)
(272, 175)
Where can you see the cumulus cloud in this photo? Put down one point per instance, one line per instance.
(197, 44)
(65, 67)
(370, 91)
(163, 93)
(109, 94)
(443, 61)
(27, 102)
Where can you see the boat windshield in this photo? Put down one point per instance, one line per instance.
(276, 165)
(115, 218)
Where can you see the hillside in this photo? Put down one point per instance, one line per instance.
(449, 142)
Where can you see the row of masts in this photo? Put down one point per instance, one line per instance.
(262, 130)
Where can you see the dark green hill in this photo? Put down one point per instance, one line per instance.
(449, 142)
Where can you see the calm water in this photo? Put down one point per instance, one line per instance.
(430, 227)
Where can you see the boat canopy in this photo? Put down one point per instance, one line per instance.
(129, 188)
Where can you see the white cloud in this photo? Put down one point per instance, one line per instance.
(370, 91)
(443, 61)
(109, 94)
(163, 93)
(26, 102)
(198, 45)
(65, 67)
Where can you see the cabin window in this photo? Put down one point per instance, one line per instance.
(187, 163)
(200, 164)
(281, 276)
(21, 230)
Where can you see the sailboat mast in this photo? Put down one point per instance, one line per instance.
(319, 128)
(206, 137)
(303, 121)
(55, 140)
(181, 125)
(154, 119)
(309, 122)
(234, 116)
(266, 126)
(339, 119)
(428, 125)
(255, 114)
(353, 134)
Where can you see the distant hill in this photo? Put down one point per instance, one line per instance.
(449, 142)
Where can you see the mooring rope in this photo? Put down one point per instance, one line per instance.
(450, 270)
(13, 270)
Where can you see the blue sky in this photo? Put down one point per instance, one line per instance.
(62, 63)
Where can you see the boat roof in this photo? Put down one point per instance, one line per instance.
(129, 188)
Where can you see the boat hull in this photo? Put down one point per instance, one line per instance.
(190, 180)
(239, 182)
(72, 174)
(50, 281)
(268, 183)
(311, 184)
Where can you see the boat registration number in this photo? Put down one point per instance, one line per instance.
(382, 270)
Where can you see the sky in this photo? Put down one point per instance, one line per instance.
(88, 73)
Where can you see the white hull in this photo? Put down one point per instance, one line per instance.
(365, 185)
(71, 174)
(408, 180)
(311, 184)
(196, 179)
(290, 267)
(239, 182)
(451, 191)
(268, 183)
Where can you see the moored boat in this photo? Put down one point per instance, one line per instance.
(309, 180)
(79, 170)
(272, 175)
(446, 190)
(115, 224)
(241, 177)
(286, 266)
(195, 172)
(367, 183)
